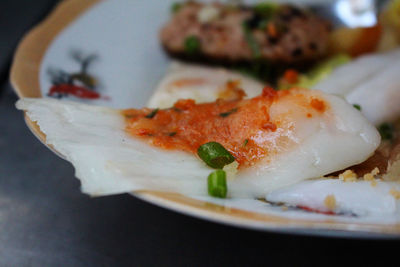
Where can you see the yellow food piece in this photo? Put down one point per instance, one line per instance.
(355, 41)
(389, 40)
(371, 176)
(391, 15)
(375, 171)
(368, 177)
(330, 202)
(348, 176)
(390, 20)
(395, 193)
(343, 39)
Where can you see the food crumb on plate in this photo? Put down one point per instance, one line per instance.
(348, 176)
(395, 193)
(330, 202)
(371, 176)
(374, 183)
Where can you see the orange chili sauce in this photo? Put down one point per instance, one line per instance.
(236, 124)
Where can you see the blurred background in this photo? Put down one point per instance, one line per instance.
(46, 221)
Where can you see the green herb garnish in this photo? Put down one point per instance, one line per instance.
(192, 45)
(386, 131)
(357, 106)
(263, 24)
(226, 114)
(215, 155)
(245, 142)
(172, 134)
(217, 184)
(175, 7)
(266, 9)
(251, 41)
(152, 114)
(130, 116)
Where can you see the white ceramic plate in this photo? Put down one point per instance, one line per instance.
(123, 35)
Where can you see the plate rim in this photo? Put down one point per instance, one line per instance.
(24, 77)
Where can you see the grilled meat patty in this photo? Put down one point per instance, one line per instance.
(265, 32)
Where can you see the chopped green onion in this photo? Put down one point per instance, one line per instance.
(215, 155)
(357, 106)
(259, 70)
(266, 9)
(217, 184)
(152, 114)
(245, 142)
(251, 41)
(263, 24)
(386, 131)
(175, 7)
(392, 13)
(226, 114)
(192, 45)
(129, 116)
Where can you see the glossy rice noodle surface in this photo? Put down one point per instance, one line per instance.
(250, 129)
(200, 83)
(314, 134)
(372, 82)
(359, 198)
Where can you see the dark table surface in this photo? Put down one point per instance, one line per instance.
(46, 221)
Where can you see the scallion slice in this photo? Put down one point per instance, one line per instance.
(217, 184)
(152, 114)
(175, 7)
(386, 131)
(192, 45)
(251, 41)
(357, 106)
(215, 155)
(266, 9)
(226, 114)
(245, 142)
